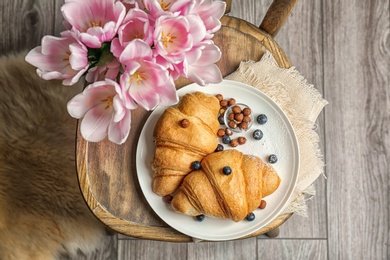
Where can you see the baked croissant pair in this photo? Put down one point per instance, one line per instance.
(187, 133)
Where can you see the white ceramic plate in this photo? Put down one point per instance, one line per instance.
(279, 138)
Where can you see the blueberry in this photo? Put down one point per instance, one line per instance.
(196, 165)
(226, 170)
(221, 120)
(219, 148)
(272, 158)
(200, 218)
(226, 139)
(258, 134)
(250, 217)
(262, 119)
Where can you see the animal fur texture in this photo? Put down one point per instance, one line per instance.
(42, 212)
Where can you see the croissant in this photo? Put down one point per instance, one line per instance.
(210, 192)
(179, 143)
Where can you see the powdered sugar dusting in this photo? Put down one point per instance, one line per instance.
(275, 139)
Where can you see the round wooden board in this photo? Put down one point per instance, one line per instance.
(107, 172)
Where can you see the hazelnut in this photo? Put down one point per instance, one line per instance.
(246, 119)
(236, 109)
(244, 125)
(220, 132)
(228, 132)
(233, 143)
(241, 140)
(223, 103)
(238, 117)
(219, 97)
(232, 124)
(231, 102)
(231, 117)
(263, 204)
(184, 123)
(246, 111)
(222, 110)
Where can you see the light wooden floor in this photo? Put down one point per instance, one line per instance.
(343, 48)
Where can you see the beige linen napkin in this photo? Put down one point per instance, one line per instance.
(302, 104)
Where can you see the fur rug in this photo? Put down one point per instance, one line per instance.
(42, 212)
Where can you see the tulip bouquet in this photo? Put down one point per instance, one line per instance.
(130, 52)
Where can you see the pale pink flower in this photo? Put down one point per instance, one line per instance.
(135, 26)
(63, 58)
(143, 79)
(210, 12)
(200, 67)
(104, 111)
(175, 35)
(96, 21)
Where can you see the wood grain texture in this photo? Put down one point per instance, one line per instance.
(23, 24)
(231, 250)
(150, 250)
(286, 249)
(228, 6)
(356, 80)
(276, 16)
(301, 39)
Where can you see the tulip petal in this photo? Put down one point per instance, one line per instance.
(134, 50)
(168, 94)
(205, 75)
(89, 98)
(119, 109)
(95, 123)
(119, 131)
(90, 40)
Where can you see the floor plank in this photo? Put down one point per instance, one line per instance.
(301, 39)
(356, 58)
(230, 250)
(288, 249)
(133, 249)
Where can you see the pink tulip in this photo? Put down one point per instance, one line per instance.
(144, 80)
(104, 111)
(96, 21)
(62, 57)
(135, 26)
(210, 12)
(200, 67)
(175, 35)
